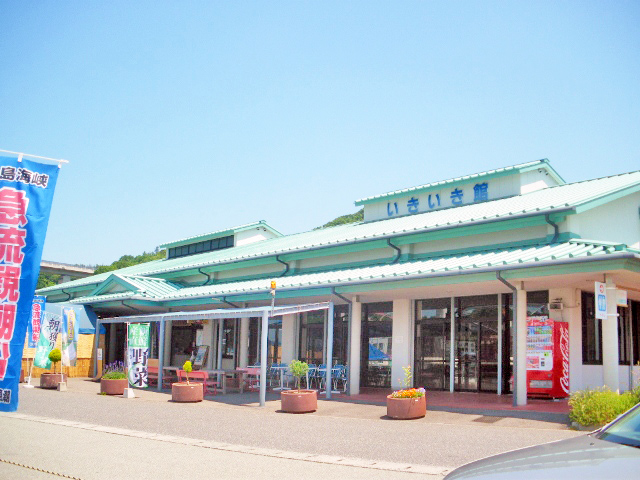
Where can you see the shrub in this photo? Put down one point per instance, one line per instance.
(55, 356)
(298, 369)
(114, 376)
(188, 368)
(596, 407)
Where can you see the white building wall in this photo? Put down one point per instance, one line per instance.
(604, 222)
(401, 335)
(254, 235)
(288, 338)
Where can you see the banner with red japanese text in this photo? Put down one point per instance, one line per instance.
(33, 327)
(26, 193)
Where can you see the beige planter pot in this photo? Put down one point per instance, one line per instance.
(51, 380)
(183, 393)
(114, 386)
(298, 401)
(406, 408)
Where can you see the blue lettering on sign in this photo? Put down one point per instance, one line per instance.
(602, 303)
(432, 204)
(456, 197)
(412, 205)
(390, 211)
(481, 192)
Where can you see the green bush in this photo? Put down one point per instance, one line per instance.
(114, 376)
(596, 407)
(298, 369)
(55, 356)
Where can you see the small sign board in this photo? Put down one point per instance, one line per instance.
(99, 354)
(601, 300)
(621, 298)
(201, 356)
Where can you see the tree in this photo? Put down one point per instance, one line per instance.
(344, 219)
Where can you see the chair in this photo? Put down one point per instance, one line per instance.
(209, 385)
(152, 376)
(311, 375)
(169, 376)
(321, 376)
(251, 378)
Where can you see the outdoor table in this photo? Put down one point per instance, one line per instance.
(281, 369)
(222, 374)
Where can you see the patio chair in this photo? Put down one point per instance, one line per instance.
(210, 386)
(311, 376)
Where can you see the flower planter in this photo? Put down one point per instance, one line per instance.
(51, 380)
(182, 392)
(406, 408)
(113, 386)
(298, 401)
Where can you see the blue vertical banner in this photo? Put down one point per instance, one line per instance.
(26, 193)
(37, 314)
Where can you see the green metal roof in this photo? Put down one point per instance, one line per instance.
(220, 233)
(523, 167)
(569, 198)
(487, 259)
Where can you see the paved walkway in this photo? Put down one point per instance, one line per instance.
(338, 433)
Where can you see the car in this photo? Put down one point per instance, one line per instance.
(612, 451)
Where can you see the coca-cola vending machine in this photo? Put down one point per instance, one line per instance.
(547, 357)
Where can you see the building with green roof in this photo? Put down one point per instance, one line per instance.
(449, 277)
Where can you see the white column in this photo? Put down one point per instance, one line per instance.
(400, 337)
(520, 375)
(329, 349)
(219, 349)
(288, 338)
(244, 343)
(263, 357)
(354, 338)
(500, 320)
(610, 353)
(452, 346)
(168, 329)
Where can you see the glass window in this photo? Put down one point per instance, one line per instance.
(228, 338)
(312, 337)
(377, 324)
(591, 332)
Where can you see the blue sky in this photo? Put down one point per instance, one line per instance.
(181, 118)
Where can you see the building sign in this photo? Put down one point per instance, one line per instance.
(26, 193)
(425, 202)
(138, 343)
(601, 300)
(37, 314)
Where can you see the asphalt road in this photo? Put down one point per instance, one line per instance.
(341, 429)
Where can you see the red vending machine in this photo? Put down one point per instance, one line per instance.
(547, 358)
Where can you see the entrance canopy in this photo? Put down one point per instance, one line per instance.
(264, 312)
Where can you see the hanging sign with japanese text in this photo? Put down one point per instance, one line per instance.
(69, 337)
(50, 327)
(26, 193)
(601, 300)
(33, 327)
(138, 344)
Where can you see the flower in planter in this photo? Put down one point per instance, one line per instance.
(408, 392)
(188, 368)
(114, 371)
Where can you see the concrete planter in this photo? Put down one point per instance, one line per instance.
(183, 393)
(406, 408)
(51, 380)
(299, 401)
(114, 386)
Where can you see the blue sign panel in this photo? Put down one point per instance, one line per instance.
(37, 314)
(26, 193)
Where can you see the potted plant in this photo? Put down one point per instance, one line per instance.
(407, 403)
(51, 380)
(298, 401)
(186, 391)
(113, 380)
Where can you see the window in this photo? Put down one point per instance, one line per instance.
(228, 338)
(201, 247)
(591, 332)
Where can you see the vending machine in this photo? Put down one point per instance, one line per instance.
(547, 358)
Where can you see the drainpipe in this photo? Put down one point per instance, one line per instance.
(556, 228)
(224, 299)
(68, 295)
(205, 274)
(514, 329)
(348, 302)
(286, 265)
(399, 252)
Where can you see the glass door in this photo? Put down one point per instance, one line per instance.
(432, 344)
(375, 362)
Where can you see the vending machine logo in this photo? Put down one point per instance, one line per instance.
(564, 353)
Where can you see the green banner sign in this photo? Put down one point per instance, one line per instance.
(138, 344)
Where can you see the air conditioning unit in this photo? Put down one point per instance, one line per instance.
(556, 305)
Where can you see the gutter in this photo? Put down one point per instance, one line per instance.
(514, 335)
(207, 275)
(224, 300)
(286, 270)
(556, 228)
(66, 293)
(132, 308)
(450, 273)
(398, 251)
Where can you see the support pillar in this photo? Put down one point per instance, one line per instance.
(243, 360)
(329, 349)
(263, 358)
(400, 335)
(610, 352)
(354, 349)
(161, 354)
(520, 365)
(288, 338)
